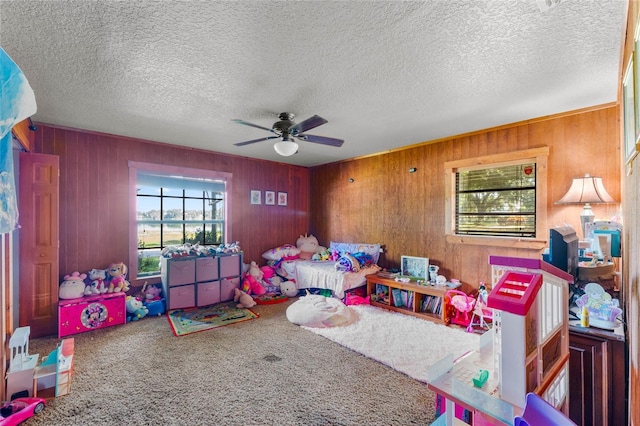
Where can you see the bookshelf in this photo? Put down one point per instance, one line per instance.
(420, 300)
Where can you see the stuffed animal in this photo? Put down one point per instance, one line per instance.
(243, 299)
(118, 282)
(152, 292)
(97, 284)
(322, 256)
(73, 286)
(252, 283)
(135, 309)
(288, 288)
(270, 280)
(308, 246)
(314, 310)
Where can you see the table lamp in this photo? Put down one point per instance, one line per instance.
(586, 190)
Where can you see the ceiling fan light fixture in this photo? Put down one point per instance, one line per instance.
(286, 147)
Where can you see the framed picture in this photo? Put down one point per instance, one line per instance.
(256, 197)
(269, 198)
(628, 113)
(282, 198)
(415, 267)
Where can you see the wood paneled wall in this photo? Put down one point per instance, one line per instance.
(405, 211)
(94, 195)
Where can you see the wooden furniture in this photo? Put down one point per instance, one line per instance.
(422, 301)
(39, 242)
(200, 281)
(91, 313)
(597, 367)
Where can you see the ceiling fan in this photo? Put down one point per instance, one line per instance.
(287, 130)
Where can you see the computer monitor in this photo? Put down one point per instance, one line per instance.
(563, 249)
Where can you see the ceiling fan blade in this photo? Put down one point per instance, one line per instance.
(255, 140)
(246, 123)
(321, 140)
(308, 124)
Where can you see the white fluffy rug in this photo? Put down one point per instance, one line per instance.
(405, 343)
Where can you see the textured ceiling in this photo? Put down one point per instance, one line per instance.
(385, 74)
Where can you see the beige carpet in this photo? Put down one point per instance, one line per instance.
(261, 372)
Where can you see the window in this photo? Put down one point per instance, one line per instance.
(174, 206)
(498, 199)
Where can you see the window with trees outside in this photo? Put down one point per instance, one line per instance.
(498, 199)
(172, 210)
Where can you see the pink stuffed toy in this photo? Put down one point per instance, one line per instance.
(267, 272)
(252, 283)
(151, 292)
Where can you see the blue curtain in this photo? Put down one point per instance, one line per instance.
(17, 102)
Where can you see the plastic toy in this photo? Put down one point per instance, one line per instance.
(118, 282)
(97, 284)
(73, 286)
(481, 378)
(482, 315)
(537, 411)
(19, 410)
(460, 305)
(56, 369)
(21, 364)
(243, 299)
(135, 309)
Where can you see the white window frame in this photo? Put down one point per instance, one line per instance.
(539, 156)
(134, 168)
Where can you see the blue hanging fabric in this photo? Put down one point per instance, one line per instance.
(17, 102)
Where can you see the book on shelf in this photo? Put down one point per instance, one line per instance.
(431, 304)
(397, 297)
(382, 293)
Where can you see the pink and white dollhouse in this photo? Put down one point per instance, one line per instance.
(526, 350)
(530, 299)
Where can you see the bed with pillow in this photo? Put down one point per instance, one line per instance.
(347, 269)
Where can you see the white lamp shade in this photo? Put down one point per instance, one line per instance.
(587, 189)
(286, 148)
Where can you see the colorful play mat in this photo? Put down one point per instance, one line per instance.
(187, 321)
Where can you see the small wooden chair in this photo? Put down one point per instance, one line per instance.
(460, 305)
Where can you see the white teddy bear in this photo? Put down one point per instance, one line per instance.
(73, 286)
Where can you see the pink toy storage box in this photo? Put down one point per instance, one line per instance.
(90, 313)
